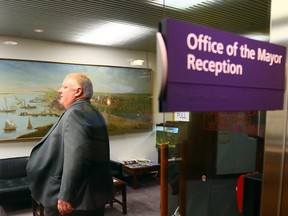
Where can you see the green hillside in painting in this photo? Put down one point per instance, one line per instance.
(125, 113)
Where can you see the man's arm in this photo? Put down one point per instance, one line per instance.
(75, 144)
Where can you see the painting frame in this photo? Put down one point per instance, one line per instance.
(29, 99)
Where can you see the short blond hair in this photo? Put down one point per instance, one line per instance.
(82, 81)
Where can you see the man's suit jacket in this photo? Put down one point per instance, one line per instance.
(72, 162)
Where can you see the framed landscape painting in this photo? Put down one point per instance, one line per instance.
(29, 97)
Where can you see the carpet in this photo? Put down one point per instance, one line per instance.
(143, 201)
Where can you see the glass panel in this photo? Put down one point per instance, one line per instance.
(222, 148)
(219, 151)
(168, 133)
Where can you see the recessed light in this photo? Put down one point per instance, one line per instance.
(38, 30)
(137, 62)
(10, 43)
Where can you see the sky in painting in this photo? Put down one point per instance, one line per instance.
(19, 76)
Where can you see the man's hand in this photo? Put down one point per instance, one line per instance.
(64, 207)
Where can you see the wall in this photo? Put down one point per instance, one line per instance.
(138, 145)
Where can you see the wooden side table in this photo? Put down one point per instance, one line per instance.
(120, 186)
(139, 169)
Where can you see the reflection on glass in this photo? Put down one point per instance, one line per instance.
(220, 151)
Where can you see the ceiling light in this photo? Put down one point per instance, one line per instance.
(257, 36)
(38, 30)
(10, 43)
(137, 62)
(113, 34)
(176, 3)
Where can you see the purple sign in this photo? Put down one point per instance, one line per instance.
(212, 70)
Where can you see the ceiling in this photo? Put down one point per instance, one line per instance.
(64, 21)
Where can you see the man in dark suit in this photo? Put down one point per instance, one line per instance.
(69, 169)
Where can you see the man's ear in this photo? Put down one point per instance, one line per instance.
(78, 92)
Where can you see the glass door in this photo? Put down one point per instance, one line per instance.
(215, 155)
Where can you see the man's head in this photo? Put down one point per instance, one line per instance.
(75, 86)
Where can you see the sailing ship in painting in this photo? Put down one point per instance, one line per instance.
(27, 106)
(29, 126)
(9, 126)
(6, 109)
